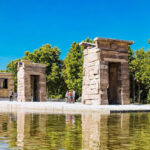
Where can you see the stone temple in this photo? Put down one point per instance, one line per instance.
(31, 81)
(105, 72)
(6, 84)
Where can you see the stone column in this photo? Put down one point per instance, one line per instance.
(91, 76)
(42, 88)
(104, 79)
(20, 86)
(125, 88)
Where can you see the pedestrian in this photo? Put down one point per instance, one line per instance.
(16, 95)
(11, 95)
(74, 95)
(66, 96)
(70, 96)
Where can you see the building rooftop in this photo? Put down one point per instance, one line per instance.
(87, 44)
(113, 40)
(6, 73)
(30, 63)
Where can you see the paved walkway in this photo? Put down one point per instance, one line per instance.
(62, 107)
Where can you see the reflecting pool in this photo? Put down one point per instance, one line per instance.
(89, 131)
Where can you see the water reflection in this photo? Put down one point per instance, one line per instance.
(90, 131)
(70, 119)
(41, 131)
(20, 129)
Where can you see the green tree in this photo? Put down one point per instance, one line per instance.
(89, 40)
(73, 67)
(12, 67)
(2, 70)
(140, 70)
(148, 96)
(50, 56)
(145, 70)
(136, 67)
(131, 74)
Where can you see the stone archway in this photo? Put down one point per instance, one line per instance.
(105, 72)
(31, 81)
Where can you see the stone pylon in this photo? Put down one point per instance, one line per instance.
(31, 81)
(105, 72)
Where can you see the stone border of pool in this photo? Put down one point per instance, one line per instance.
(62, 107)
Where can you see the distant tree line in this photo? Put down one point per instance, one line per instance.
(67, 74)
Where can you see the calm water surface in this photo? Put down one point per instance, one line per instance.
(129, 131)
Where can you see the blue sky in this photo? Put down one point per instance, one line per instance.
(28, 24)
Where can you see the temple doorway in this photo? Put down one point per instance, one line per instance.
(34, 88)
(113, 90)
(31, 79)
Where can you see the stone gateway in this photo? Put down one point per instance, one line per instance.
(31, 81)
(105, 72)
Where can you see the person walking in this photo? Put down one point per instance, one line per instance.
(74, 95)
(16, 95)
(66, 96)
(11, 95)
(70, 96)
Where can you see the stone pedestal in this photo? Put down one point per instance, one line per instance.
(105, 72)
(31, 81)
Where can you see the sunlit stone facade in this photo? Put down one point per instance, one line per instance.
(105, 72)
(31, 81)
(6, 84)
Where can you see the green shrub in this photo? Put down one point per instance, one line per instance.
(79, 99)
(56, 96)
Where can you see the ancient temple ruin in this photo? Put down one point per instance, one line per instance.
(105, 72)
(31, 81)
(6, 84)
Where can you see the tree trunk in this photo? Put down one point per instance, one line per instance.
(133, 88)
(139, 93)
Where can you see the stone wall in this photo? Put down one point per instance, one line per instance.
(26, 69)
(4, 92)
(91, 77)
(96, 72)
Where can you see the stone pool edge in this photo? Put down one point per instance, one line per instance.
(62, 107)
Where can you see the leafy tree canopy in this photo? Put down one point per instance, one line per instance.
(72, 71)
(89, 40)
(50, 56)
(12, 67)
